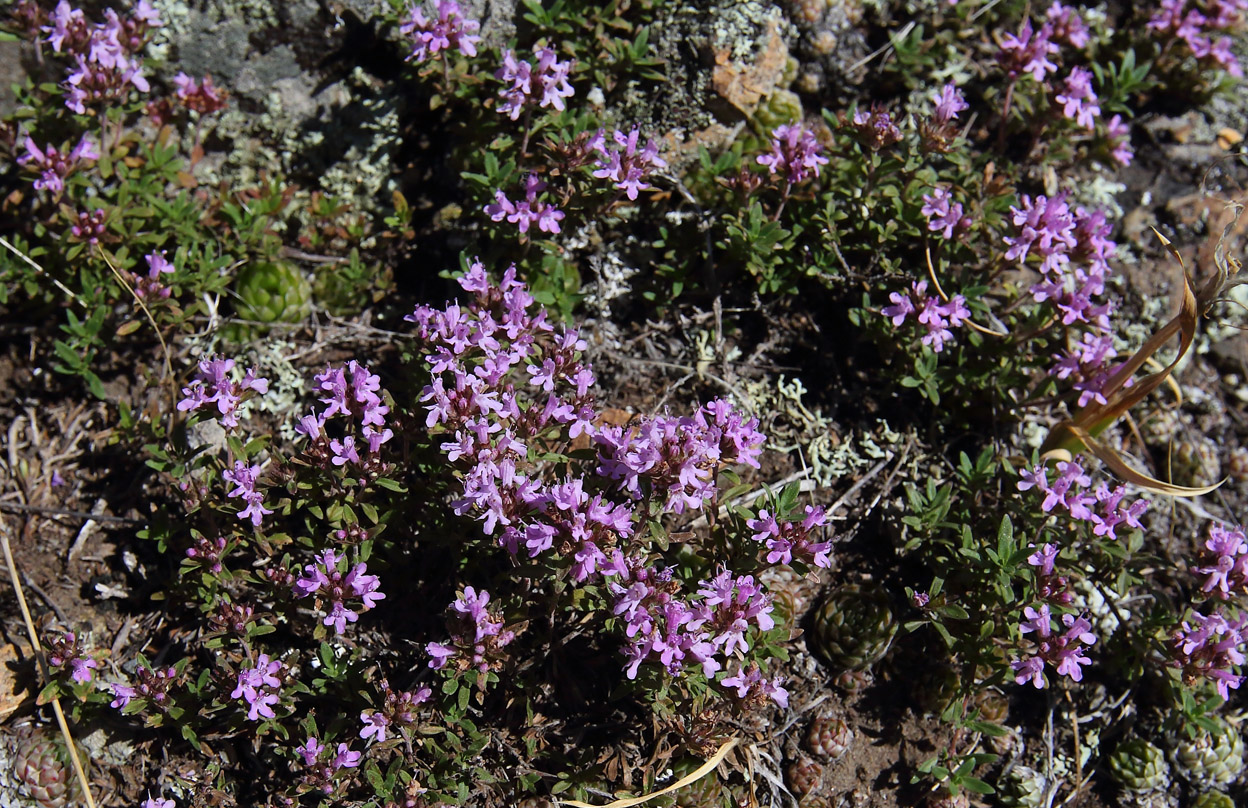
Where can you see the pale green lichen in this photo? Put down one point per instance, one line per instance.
(793, 426)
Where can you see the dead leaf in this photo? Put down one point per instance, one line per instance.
(1080, 433)
(12, 694)
(1229, 137)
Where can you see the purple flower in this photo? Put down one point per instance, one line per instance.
(1227, 557)
(627, 167)
(1065, 652)
(53, 165)
(213, 383)
(1210, 647)
(258, 687)
(158, 802)
(550, 77)
(82, 668)
(325, 580)
(937, 317)
(1067, 26)
(122, 694)
(375, 725)
(528, 212)
(476, 634)
(344, 758)
(1043, 558)
(1118, 133)
(875, 128)
(244, 478)
(943, 214)
(1030, 669)
(749, 681)
(1079, 99)
(1028, 52)
(446, 29)
(949, 104)
(310, 751)
(795, 153)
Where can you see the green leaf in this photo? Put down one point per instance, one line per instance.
(976, 785)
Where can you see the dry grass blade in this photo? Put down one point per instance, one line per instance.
(70, 747)
(1080, 433)
(702, 771)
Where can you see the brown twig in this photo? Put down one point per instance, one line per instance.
(17, 507)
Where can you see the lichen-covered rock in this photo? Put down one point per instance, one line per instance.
(744, 60)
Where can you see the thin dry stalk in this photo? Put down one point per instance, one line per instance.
(34, 642)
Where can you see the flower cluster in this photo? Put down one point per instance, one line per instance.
(327, 582)
(1078, 99)
(1073, 247)
(214, 383)
(938, 130)
(444, 29)
(626, 166)
(1050, 586)
(352, 391)
(91, 226)
(244, 478)
(1183, 21)
(752, 688)
(788, 540)
(475, 353)
(678, 457)
(944, 215)
(1208, 647)
(1226, 562)
(199, 96)
(65, 652)
(259, 686)
(208, 552)
(151, 288)
(545, 85)
(106, 54)
(1087, 363)
(54, 165)
(505, 379)
(708, 630)
(1063, 651)
(795, 154)
(1066, 26)
(1069, 490)
(1118, 136)
(1028, 52)
(936, 316)
(324, 764)
(875, 128)
(398, 710)
(477, 637)
(153, 685)
(527, 212)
